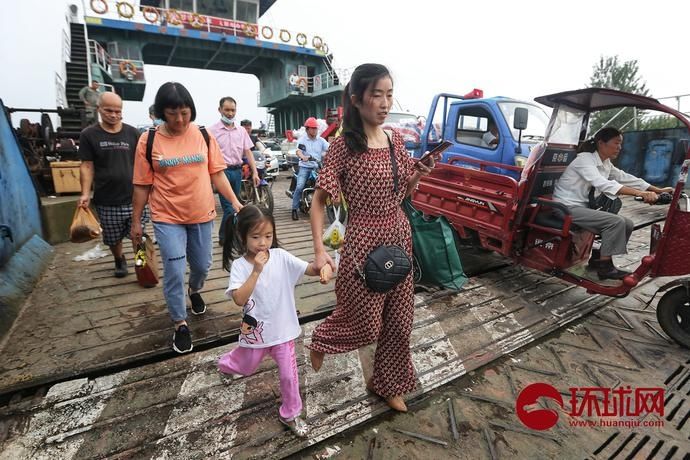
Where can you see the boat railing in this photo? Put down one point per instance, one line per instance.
(123, 10)
(319, 82)
(98, 55)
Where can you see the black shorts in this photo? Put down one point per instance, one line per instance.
(116, 222)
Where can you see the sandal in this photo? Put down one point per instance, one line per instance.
(297, 426)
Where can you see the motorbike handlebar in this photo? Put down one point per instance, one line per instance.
(664, 198)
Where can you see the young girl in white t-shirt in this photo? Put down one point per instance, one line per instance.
(263, 281)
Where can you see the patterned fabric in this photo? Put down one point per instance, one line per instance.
(376, 217)
(116, 222)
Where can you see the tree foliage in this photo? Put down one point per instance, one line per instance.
(611, 73)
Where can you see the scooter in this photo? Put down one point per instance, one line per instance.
(262, 195)
(309, 187)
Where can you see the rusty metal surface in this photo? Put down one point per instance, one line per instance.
(619, 345)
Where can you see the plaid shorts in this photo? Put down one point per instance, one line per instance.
(116, 222)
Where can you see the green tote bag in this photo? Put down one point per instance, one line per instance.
(434, 249)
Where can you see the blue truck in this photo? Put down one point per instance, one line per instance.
(497, 129)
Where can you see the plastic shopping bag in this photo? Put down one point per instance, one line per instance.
(434, 248)
(145, 263)
(335, 233)
(85, 226)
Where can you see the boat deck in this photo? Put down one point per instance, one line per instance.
(126, 399)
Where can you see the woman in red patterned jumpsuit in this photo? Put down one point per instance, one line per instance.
(358, 164)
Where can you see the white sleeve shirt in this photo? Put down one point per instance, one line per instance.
(271, 307)
(587, 171)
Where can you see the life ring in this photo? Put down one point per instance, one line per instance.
(301, 39)
(147, 11)
(268, 35)
(284, 32)
(324, 48)
(125, 10)
(197, 21)
(102, 10)
(317, 42)
(302, 84)
(127, 67)
(174, 17)
(251, 29)
(293, 80)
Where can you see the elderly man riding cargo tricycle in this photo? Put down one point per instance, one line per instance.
(519, 216)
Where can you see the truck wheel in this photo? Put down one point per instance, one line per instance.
(673, 313)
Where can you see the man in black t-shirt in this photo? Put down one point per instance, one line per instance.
(107, 153)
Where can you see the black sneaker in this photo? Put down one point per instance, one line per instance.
(612, 273)
(295, 216)
(182, 340)
(121, 267)
(198, 304)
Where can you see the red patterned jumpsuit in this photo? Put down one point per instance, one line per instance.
(363, 316)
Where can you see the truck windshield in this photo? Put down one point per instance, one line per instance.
(536, 120)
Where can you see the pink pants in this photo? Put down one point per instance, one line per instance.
(244, 361)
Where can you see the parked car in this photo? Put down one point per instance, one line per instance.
(276, 152)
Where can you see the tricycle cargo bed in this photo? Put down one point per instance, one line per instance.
(471, 199)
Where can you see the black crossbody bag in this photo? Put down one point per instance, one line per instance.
(604, 203)
(387, 265)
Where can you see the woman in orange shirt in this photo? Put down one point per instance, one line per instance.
(176, 182)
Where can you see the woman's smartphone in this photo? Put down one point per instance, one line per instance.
(435, 153)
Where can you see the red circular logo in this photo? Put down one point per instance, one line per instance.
(537, 419)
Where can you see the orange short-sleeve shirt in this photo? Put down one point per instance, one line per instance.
(181, 190)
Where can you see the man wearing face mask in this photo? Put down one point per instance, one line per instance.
(235, 145)
(107, 153)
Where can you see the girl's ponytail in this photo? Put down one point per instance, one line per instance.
(230, 242)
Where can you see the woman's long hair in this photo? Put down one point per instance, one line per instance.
(238, 227)
(363, 77)
(603, 135)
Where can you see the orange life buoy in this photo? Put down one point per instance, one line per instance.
(174, 17)
(197, 21)
(251, 29)
(102, 10)
(125, 10)
(284, 32)
(268, 35)
(127, 67)
(148, 11)
(301, 39)
(317, 42)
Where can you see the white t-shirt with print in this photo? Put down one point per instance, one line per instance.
(271, 307)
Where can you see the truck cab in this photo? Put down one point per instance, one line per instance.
(484, 128)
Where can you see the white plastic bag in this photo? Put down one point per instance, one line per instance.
(94, 253)
(335, 233)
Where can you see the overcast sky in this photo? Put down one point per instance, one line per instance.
(505, 47)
